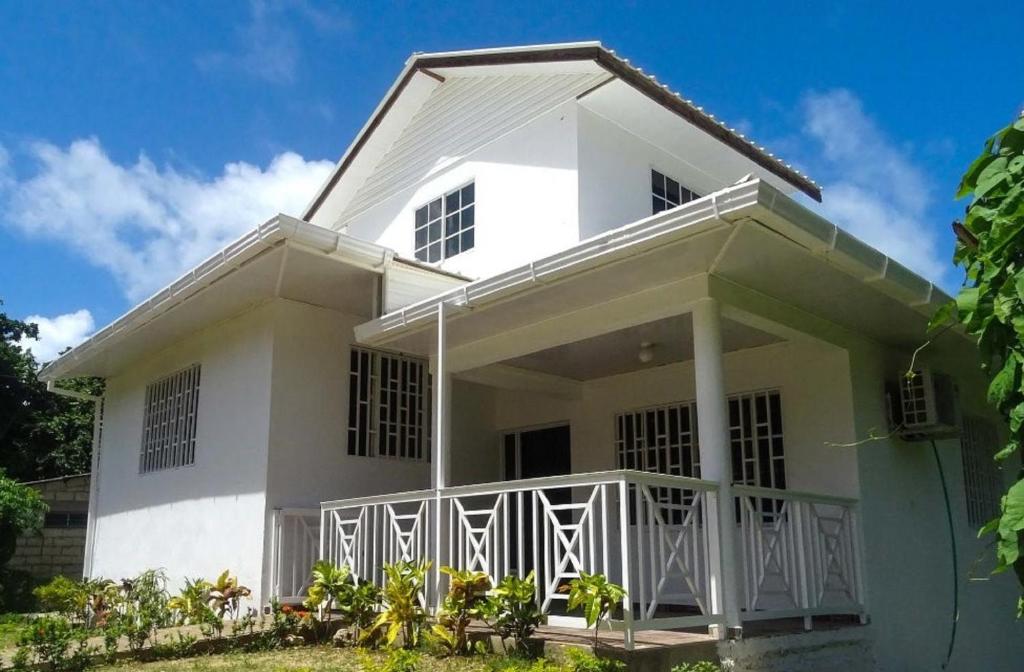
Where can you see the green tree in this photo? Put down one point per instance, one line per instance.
(21, 512)
(42, 435)
(990, 307)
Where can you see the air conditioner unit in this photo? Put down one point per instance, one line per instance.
(927, 407)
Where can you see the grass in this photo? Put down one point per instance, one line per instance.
(11, 626)
(303, 659)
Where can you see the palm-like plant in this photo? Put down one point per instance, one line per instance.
(403, 613)
(226, 593)
(191, 604)
(595, 595)
(327, 588)
(467, 592)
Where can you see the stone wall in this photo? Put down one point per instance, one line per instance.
(60, 547)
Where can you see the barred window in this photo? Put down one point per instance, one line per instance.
(667, 193)
(389, 405)
(72, 520)
(446, 227)
(983, 484)
(169, 422)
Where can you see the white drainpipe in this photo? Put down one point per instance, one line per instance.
(94, 472)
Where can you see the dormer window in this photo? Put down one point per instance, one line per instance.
(667, 193)
(444, 227)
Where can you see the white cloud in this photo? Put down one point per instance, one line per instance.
(266, 45)
(58, 333)
(873, 188)
(148, 224)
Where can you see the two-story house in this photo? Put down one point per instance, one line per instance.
(548, 315)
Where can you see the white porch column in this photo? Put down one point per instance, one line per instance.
(440, 445)
(715, 459)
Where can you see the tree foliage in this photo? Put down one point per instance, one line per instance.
(21, 512)
(42, 435)
(990, 306)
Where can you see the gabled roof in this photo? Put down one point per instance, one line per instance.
(428, 63)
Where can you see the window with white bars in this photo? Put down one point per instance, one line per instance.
(446, 227)
(389, 405)
(170, 415)
(983, 484)
(663, 440)
(667, 193)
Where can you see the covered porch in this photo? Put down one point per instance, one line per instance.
(667, 404)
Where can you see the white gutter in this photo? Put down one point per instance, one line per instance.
(282, 229)
(754, 199)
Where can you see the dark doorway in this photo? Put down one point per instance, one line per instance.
(535, 453)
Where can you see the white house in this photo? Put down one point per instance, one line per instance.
(548, 314)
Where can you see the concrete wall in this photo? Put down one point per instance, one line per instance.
(907, 546)
(201, 519)
(615, 174)
(815, 411)
(56, 549)
(526, 198)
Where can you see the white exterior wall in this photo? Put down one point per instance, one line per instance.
(526, 198)
(815, 410)
(200, 519)
(615, 174)
(908, 557)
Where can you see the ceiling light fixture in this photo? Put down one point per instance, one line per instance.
(646, 353)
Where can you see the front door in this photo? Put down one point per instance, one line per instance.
(535, 453)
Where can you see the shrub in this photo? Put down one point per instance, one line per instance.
(16, 591)
(63, 595)
(21, 512)
(55, 644)
(467, 592)
(403, 613)
(702, 666)
(584, 661)
(511, 610)
(191, 605)
(226, 594)
(140, 607)
(399, 660)
(596, 596)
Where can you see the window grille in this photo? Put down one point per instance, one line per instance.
(663, 440)
(446, 227)
(171, 409)
(75, 520)
(389, 405)
(667, 193)
(983, 484)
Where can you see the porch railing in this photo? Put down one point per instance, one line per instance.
(295, 546)
(648, 532)
(798, 553)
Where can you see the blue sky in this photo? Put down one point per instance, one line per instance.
(137, 137)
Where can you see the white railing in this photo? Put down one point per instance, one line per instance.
(800, 554)
(295, 546)
(646, 531)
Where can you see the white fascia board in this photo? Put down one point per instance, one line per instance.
(503, 50)
(613, 245)
(281, 229)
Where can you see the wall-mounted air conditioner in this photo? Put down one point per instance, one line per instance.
(925, 406)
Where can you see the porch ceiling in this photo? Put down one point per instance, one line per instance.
(618, 352)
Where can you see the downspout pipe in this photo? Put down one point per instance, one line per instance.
(94, 472)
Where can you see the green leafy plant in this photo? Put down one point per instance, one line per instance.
(55, 644)
(192, 603)
(399, 660)
(467, 592)
(67, 597)
(990, 307)
(359, 606)
(403, 613)
(511, 610)
(701, 666)
(584, 661)
(21, 513)
(225, 595)
(596, 596)
(328, 586)
(140, 608)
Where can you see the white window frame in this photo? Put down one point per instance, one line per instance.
(422, 252)
(395, 391)
(170, 416)
(681, 194)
